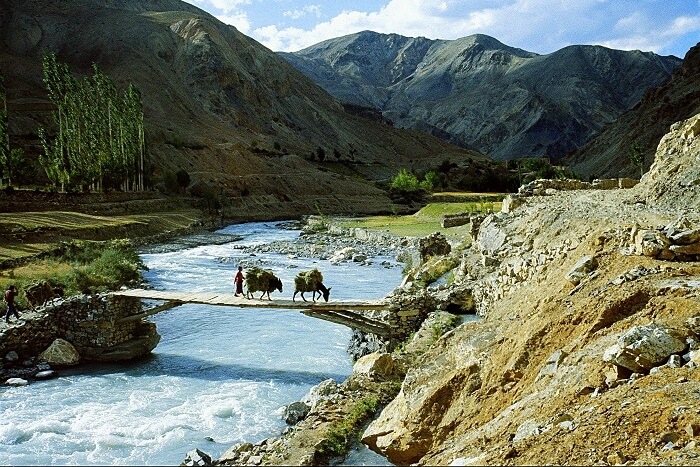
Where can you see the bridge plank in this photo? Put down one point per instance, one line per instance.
(229, 299)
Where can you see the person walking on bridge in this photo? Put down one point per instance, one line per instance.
(238, 280)
(10, 295)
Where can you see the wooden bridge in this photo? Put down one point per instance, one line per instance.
(348, 313)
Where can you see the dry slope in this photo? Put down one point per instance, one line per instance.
(569, 368)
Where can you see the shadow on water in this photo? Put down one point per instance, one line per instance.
(189, 367)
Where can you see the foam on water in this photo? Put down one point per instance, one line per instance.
(218, 372)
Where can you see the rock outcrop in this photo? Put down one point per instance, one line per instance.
(60, 353)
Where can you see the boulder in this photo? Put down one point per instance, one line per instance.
(60, 352)
(296, 412)
(375, 365)
(11, 356)
(650, 242)
(642, 348)
(345, 254)
(686, 237)
(491, 236)
(681, 224)
(581, 269)
(16, 382)
(693, 249)
(46, 374)
(511, 202)
(433, 245)
(322, 391)
(197, 458)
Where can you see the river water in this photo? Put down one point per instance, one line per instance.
(219, 376)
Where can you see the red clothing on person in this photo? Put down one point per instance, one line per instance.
(10, 296)
(238, 280)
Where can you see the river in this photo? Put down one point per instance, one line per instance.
(219, 376)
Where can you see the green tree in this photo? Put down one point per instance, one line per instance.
(405, 181)
(430, 181)
(100, 140)
(636, 157)
(321, 154)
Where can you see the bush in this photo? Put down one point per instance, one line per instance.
(342, 434)
(183, 179)
(98, 266)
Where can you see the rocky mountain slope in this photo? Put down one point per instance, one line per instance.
(481, 94)
(644, 124)
(217, 104)
(588, 349)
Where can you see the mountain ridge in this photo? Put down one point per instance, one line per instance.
(643, 125)
(500, 100)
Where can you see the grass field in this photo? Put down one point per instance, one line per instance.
(427, 220)
(28, 233)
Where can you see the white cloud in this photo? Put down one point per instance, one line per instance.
(541, 26)
(314, 10)
(647, 37)
(228, 11)
(238, 19)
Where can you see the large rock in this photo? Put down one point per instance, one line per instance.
(433, 245)
(197, 458)
(425, 411)
(16, 382)
(296, 412)
(650, 242)
(375, 365)
(491, 236)
(322, 391)
(642, 348)
(581, 269)
(60, 353)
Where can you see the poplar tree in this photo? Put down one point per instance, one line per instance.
(100, 142)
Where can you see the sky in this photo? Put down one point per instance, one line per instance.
(667, 27)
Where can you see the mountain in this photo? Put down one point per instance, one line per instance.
(644, 124)
(481, 94)
(216, 103)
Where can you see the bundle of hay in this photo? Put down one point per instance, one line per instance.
(261, 280)
(310, 281)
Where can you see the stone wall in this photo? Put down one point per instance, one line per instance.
(550, 186)
(91, 323)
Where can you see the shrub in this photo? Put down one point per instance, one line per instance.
(343, 433)
(183, 179)
(98, 265)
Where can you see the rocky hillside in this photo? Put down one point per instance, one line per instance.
(217, 104)
(645, 124)
(589, 346)
(481, 94)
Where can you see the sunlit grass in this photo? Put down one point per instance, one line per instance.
(425, 221)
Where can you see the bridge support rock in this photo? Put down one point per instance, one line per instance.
(94, 325)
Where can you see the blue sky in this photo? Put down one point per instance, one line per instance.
(543, 26)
